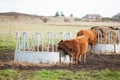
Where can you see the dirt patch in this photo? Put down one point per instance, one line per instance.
(94, 62)
(6, 55)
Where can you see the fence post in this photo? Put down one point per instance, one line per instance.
(17, 41)
(25, 41)
(39, 39)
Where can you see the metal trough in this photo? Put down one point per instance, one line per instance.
(107, 47)
(36, 57)
(40, 57)
(23, 53)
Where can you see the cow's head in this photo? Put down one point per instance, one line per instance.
(66, 46)
(103, 33)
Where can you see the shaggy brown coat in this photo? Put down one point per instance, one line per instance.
(91, 35)
(75, 48)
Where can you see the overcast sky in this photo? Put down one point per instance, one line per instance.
(79, 8)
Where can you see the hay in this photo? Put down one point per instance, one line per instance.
(108, 35)
(46, 47)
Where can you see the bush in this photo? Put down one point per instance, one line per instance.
(45, 20)
(66, 20)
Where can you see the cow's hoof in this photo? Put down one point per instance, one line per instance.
(84, 63)
(79, 62)
(70, 64)
(91, 52)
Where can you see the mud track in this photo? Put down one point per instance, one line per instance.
(94, 62)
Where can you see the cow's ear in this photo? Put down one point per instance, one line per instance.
(61, 41)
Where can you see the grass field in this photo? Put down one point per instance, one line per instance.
(10, 74)
(12, 28)
(43, 29)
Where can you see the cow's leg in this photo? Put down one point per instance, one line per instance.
(84, 57)
(70, 60)
(92, 47)
(77, 58)
(80, 58)
(73, 60)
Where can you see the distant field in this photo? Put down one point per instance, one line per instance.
(42, 28)
(10, 28)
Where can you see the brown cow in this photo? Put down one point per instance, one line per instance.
(91, 36)
(74, 48)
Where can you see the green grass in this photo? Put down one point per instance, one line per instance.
(52, 75)
(7, 43)
(10, 74)
(106, 74)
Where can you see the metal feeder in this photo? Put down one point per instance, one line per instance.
(23, 52)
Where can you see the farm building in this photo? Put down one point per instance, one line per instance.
(92, 17)
(117, 17)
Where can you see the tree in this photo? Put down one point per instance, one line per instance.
(62, 13)
(71, 15)
(57, 14)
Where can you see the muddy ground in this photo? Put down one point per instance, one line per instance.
(94, 62)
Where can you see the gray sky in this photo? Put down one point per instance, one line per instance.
(79, 8)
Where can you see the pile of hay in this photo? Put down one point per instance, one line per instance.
(107, 35)
(45, 47)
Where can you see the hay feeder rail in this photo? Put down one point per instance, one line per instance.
(109, 44)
